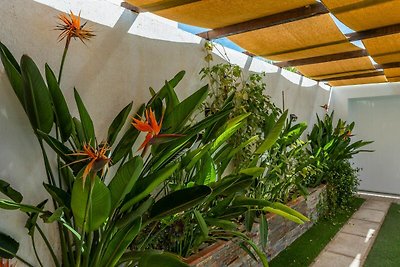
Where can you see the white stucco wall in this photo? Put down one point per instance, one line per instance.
(376, 119)
(130, 53)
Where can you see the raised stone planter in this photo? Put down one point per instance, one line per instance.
(281, 234)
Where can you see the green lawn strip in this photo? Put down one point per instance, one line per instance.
(306, 248)
(386, 248)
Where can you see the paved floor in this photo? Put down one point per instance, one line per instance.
(352, 243)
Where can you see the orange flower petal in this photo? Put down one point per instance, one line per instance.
(142, 126)
(154, 123)
(149, 136)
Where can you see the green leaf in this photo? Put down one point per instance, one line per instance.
(242, 145)
(273, 135)
(8, 247)
(87, 123)
(63, 116)
(224, 224)
(100, 204)
(180, 200)
(7, 190)
(13, 72)
(135, 213)
(55, 216)
(243, 246)
(124, 146)
(59, 195)
(202, 224)
(63, 151)
(147, 184)
(37, 96)
(163, 93)
(290, 211)
(11, 205)
(117, 124)
(261, 255)
(119, 243)
(176, 119)
(124, 180)
(31, 222)
(153, 258)
(284, 214)
(194, 156)
(207, 173)
(171, 99)
(263, 231)
(78, 135)
(253, 171)
(228, 130)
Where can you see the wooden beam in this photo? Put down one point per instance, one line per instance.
(131, 7)
(322, 59)
(387, 65)
(157, 6)
(265, 22)
(367, 34)
(355, 76)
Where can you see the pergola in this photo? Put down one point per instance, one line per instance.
(300, 33)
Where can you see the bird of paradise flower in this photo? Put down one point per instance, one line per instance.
(153, 128)
(71, 27)
(97, 157)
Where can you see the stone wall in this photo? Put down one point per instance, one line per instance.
(281, 233)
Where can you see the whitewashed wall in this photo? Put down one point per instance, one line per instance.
(130, 53)
(375, 109)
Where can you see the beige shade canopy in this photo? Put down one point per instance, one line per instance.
(308, 34)
(392, 73)
(362, 15)
(309, 37)
(218, 13)
(377, 79)
(337, 68)
(384, 49)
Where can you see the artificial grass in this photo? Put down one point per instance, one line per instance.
(386, 248)
(307, 247)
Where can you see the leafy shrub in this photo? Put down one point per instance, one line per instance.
(330, 150)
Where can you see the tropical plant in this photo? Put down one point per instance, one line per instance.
(287, 164)
(220, 215)
(329, 144)
(331, 148)
(248, 96)
(98, 220)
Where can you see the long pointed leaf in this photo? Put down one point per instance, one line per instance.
(87, 123)
(273, 135)
(37, 96)
(63, 116)
(179, 201)
(118, 123)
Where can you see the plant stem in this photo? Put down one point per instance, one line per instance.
(34, 250)
(87, 208)
(69, 251)
(49, 172)
(63, 60)
(53, 255)
(24, 261)
(88, 249)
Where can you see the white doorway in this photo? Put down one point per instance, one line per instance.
(378, 119)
